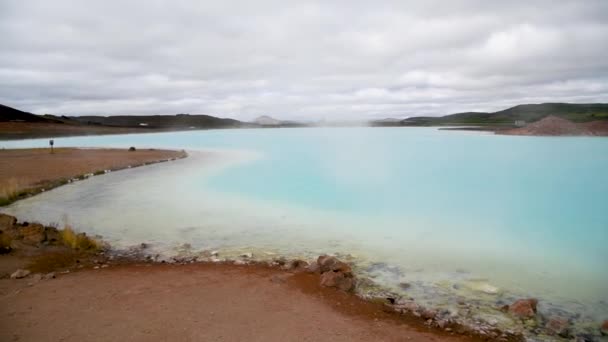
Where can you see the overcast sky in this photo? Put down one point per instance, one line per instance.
(309, 60)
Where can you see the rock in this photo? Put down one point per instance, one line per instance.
(52, 234)
(558, 326)
(428, 314)
(329, 263)
(35, 279)
(132, 149)
(524, 308)
(215, 253)
(338, 280)
(407, 307)
(604, 328)
(49, 276)
(20, 273)
(296, 265)
(281, 261)
(240, 262)
(33, 234)
(248, 255)
(313, 268)
(7, 223)
(5, 249)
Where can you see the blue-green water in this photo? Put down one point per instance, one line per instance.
(524, 215)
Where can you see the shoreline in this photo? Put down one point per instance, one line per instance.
(438, 320)
(15, 188)
(316, 280)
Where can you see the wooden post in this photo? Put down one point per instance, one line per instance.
(51, 142)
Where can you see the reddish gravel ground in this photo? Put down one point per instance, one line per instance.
(196, 302)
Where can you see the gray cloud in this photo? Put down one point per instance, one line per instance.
(304, 60)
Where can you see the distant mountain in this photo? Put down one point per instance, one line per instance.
(516, 116)
(11, 114)
(266, 120)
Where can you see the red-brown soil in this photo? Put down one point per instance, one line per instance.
(196, 302)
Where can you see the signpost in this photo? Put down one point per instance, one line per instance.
(51, 142)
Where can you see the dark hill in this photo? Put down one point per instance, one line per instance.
(522, 114)
(11, 114)
(179, 121)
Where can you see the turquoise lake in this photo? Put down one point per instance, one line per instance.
(453, 213)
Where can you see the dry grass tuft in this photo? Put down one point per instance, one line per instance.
(79, 241)
(9, 191)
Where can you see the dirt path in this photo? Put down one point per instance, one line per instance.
(198, 302)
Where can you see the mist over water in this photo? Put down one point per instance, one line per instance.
(526, 215)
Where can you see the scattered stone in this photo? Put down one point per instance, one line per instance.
(105, 266)
(20, 273)
(338, 280)
(49, 276)
(558, 326)
(524, 308)
(604, 328)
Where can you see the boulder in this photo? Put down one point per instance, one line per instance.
(558, 326)
(338, 280)
(524, 308)
(329, 263)
(604, 328)
(20, 273)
